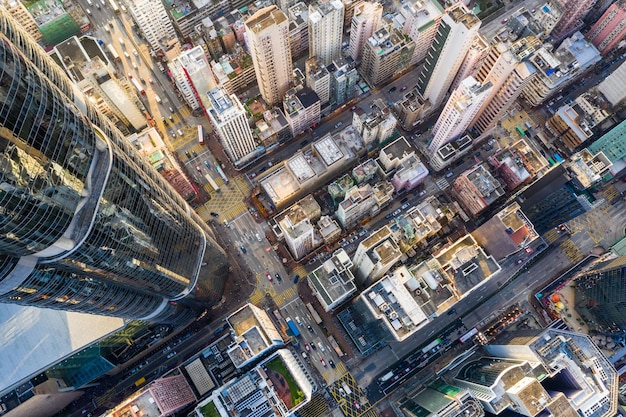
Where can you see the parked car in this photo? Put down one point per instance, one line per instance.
(214, 214)
(338, 125)
(243, 249)
(323, 363)
(278, 278)
(331, 363)
(269, 277)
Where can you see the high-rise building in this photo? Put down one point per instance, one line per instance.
(421, 22)
(230, 120)
(193, 76)
(325, 30)
(154, 23)
(473, 59)
(574, 11)
(553, 199)
(365, 20)
(318, 79)
(454, 37)
(610, 29)
(600, 290)
(505, 68)
(343, 79)
(20, 13)
(459, 111)
(88, 224)
(298, 29)
(268, 42)
(386, 53)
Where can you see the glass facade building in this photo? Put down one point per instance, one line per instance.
(86, 224)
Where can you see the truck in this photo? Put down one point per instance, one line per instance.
(113, 52)
(138, 86)
(219, 171)
(431, 345)
(114, 6)
(386, 377)
(292, 327)
(346, 388)
(212, 182)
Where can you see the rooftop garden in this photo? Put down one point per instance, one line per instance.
(209, 410)
(286, 387)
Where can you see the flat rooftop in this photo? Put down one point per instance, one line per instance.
(332, 280)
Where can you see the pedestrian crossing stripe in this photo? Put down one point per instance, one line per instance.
(299, 270)
(286, 296)
(257, 297)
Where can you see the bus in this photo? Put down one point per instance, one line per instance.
(114, 6)
(138, 86)
(467, 336)
(200, 135)
(316, 317)
(113, 52)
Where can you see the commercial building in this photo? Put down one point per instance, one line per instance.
(543, 372)
(386, 53)
(94, 227)
(302, 109)
(332, 283)
(461, 108)
(400, 160)
(453, 39)
(477, 189)
(268, 42)
(409, 108)
(376, 125)
(517, 164)
(553, 199)
(230, 120)
(366, 19)
(609, 30)
(154, 23)
(573, 13)
(325, 30)
(298, 29)
(505, 68)
(278, 386)
(343, 78)
(362, 201)
(375, 255)
(441, 400)
(20, 13)
(476, 54)
(421, 22)
(193, 77)
(297, 226)
(318, 79)
(254, 334)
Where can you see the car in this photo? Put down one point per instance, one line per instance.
(338, 125)
(106, 29)
(304, 142)
(198, 169)
(207, 165)
(173, 134)
(150, 80)
(520, 261)
(395, 213)
(321, 346)
(533, 11)
(331, 363)
(357, 405)
(135, 52)
(129, 75)
(541, 247)
(243, 249)
(278, 277)
(392, 89)
(214, 214)
(388, 216)
(171, 118)
(323, 362)
(307, 347)
(477, 154)
(342, 392)
(404, 206)
(171, 110)
(451, 311)
(126, 54)
(299, 321)
(296, 279)
(143, 81)
(134, 65)
(505, 20)
(403, 88)
(528, 249)
(353, 108)
(449, 174)
(313, 346)
(269, 277)
(258, 237)
(304, 355)
(192, 152)
(308, 326)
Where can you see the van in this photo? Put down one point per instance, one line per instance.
(88, 11)
(157, 98)
(126, 54)
(121, 41)
(180, 132)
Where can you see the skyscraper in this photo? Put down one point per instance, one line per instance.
(230, 121)
(572, 18)
(154, 23)
(459, 111)
(87, 224)
(453, 39)
(325, 30)
(609, 30)
(268, 42)
(365, 20)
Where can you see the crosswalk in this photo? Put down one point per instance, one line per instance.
(286, 296)
(551, 235)
(611, 194)
(442, 183)
(299, 270)
(571, 251)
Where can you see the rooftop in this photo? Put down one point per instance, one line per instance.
(333, 280)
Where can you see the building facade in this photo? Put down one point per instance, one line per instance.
(610, 29)
(454, 37)
(325, 30)
(365, 20)
(386, 53)
(268, 42)
(154, 23)
(94, 228)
